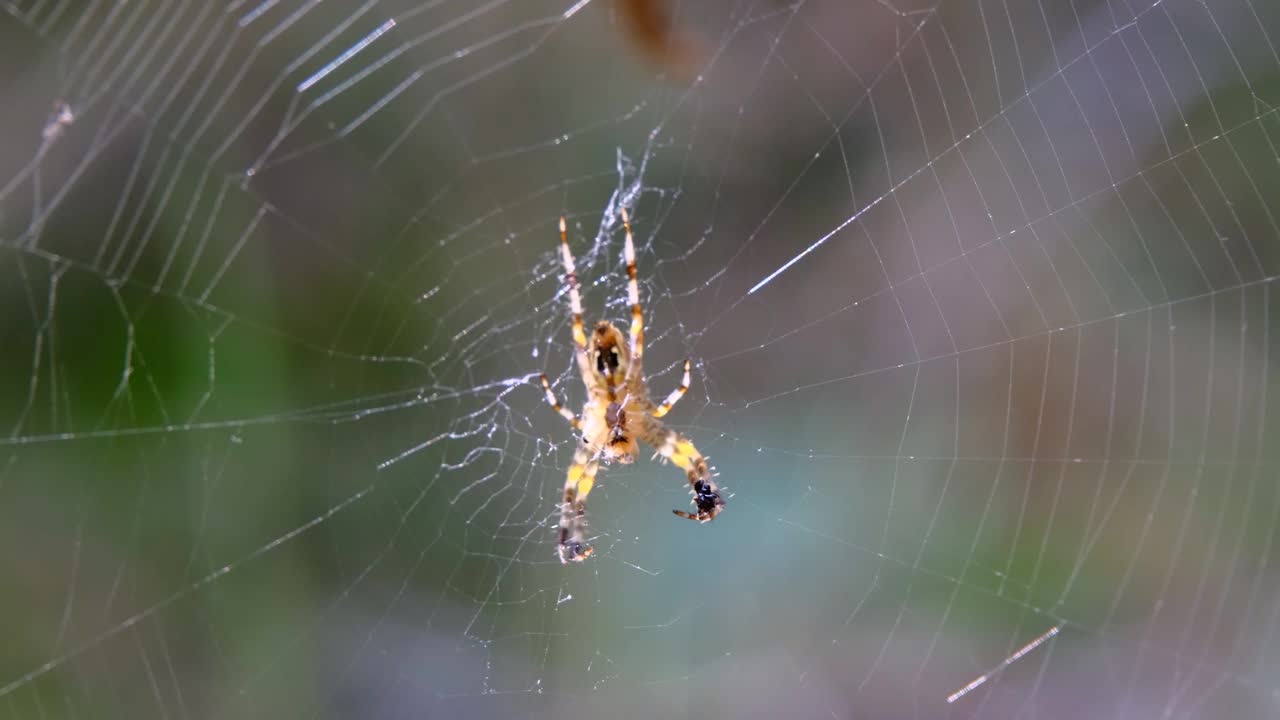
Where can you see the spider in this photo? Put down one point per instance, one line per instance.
(618, 411)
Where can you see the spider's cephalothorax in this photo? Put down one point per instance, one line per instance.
(618, 411)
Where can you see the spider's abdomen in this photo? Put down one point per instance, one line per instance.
(621, 441)
(609, 354)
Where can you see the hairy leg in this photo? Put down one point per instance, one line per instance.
(680, 450)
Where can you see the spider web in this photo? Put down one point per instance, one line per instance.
(979, 297)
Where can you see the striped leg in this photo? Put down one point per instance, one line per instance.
(565, 412)
(575, 298)
(706, 495)
(633, 295)
(573, 522)
(675, 395)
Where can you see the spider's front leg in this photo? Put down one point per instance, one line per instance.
(633, 296)
(573, 522)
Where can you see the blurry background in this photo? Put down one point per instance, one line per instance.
(278, 279)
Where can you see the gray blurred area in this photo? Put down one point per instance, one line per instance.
(980, 299)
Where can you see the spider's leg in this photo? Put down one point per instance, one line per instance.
(633, 295)
(555, 404)
(573, 523)
(577, 486)
(575, 297)
(680, 450)
(675, 395)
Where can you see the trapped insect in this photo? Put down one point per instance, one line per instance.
(618, 411)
